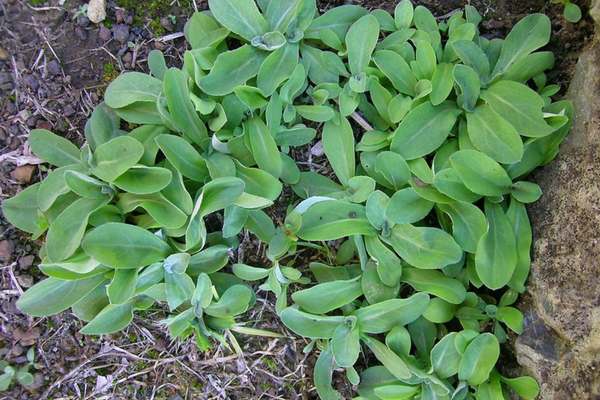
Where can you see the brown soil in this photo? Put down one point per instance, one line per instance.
(54, 67)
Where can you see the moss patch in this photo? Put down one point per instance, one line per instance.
(153, 11)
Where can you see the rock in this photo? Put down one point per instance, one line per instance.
(6, 249)
(121, 32)
(53, 68)
(96, 11)
(80, 33)
(104, 33)
(23, 173)
(26, 261)
(560, 345)
(31, 82)
(3, 54)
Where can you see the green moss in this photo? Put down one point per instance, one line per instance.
(270, 364)
(109, 72)
(153, 11)
(36, 3)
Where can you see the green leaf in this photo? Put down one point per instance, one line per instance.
(361, 40)
(424, 247)
(526, 192)
(441, 83)
(84, 186)
(144, 180)
(122, 286)
(407, 207)
(389, 266)
(52, 296)
(338, 19)
(67, 230)
(468, 223)
(111, 319)
(494, 136)
(328, 296)
(479, 359)
(435, 283)
(52, 148)
(250, 96)
(572, 12)
(383, 316)
(524, 386)
(473, 56)
(163, 212)
(232, 69)
(322, 376)
(157, 64)
(445, 359)
(338, 143)
(183, 156)
(203, 31)
(480, 173)
(334, 219)
(512, 317)
(209, 260)
(373, 288)
(132, 87)
(124, 246)
(397, 70)
(248, 273)
(22, 211)
(496, 256)
(470, 86)
(424, 129)
(280, 14)
(241, 17)
(233, 301)
(259, 182)
(181, 108)
(310, 325)
(403, 14)
(263, 146)
(277, 67)
(315, 113)
(449, 183)
(390, 360)
(115, 157)
(517, 215)
(520, 105)
(345, 345)
(528, 35)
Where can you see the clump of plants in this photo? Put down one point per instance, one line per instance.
(421, 231)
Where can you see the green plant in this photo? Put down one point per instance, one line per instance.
(571, 11)
(21, 374)
(421, 242)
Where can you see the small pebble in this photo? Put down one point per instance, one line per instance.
(26, 261)
(121, 32)
(81, 33)
(127, 57)
(120, 15)
(68, 110)
(53, 68)
(31, 82)
(6, 249)
(23, 173)
(104, 33)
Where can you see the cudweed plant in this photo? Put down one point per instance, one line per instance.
(423, 234)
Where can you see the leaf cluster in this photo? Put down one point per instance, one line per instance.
(422, 235)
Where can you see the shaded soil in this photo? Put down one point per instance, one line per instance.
(54, 67)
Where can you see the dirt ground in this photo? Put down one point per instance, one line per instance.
(54, 67)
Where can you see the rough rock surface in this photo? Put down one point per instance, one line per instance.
(96, 11)
(561, 342)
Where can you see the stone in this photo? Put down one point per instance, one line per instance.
(104, 33)
(121, 32)
(96, 11)
(6, 249)
(3, 54)
(560, 345)
(23, 173)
